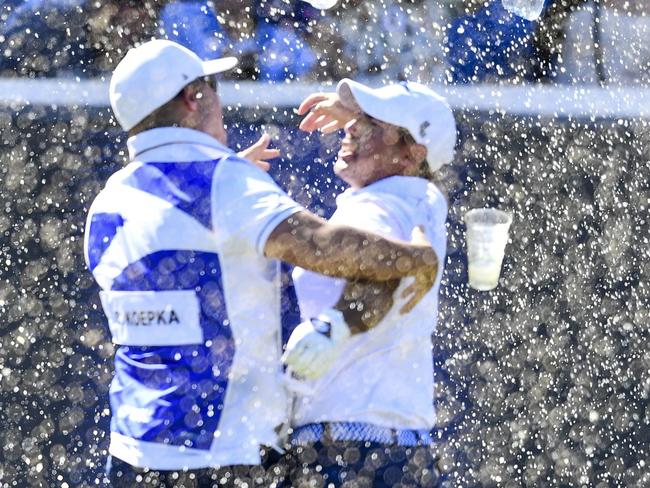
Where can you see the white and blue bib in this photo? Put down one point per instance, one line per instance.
(175, 241)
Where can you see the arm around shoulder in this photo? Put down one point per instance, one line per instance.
(310, 242)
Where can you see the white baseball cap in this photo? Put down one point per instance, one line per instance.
(152, 74)
(425, 114)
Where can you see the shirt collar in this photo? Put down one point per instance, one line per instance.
(406, 186)
(163, 136)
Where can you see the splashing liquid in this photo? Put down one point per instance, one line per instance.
(528, 9)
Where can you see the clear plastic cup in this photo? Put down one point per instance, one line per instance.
(487, 235)
(528, 9)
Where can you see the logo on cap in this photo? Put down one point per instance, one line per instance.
(423, 128)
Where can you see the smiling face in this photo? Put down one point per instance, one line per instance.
(372, 150)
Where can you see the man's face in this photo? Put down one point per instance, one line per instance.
(210, 110)
(371, 150)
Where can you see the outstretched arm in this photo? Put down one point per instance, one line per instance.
(310, 242)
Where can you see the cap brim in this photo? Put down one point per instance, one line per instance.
(220, 65)
(348, 91)
(356, 96)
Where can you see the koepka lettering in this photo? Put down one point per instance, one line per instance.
(167, 316)
(153, 318)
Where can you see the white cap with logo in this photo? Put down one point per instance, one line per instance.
(425, 114)
(152, 74)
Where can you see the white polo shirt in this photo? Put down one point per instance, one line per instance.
(385, 375)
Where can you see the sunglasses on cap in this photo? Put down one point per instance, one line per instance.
(211, 81)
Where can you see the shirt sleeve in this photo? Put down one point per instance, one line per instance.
(247, 204)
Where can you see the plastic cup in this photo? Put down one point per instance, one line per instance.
(528, 9)
(487, 235)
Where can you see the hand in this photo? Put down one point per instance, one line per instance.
(326, 112)
(426, 272)
(259, 152)
(366, 303)
(314, 346)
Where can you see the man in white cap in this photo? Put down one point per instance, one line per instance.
(366, 409)
(182, 242)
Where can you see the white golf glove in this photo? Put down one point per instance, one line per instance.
(315, 344)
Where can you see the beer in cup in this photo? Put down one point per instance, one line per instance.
(487, 235)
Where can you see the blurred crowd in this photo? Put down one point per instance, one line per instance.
(451, 41)
(543, 382)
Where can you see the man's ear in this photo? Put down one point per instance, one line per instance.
(417, 154)
(190, 97)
